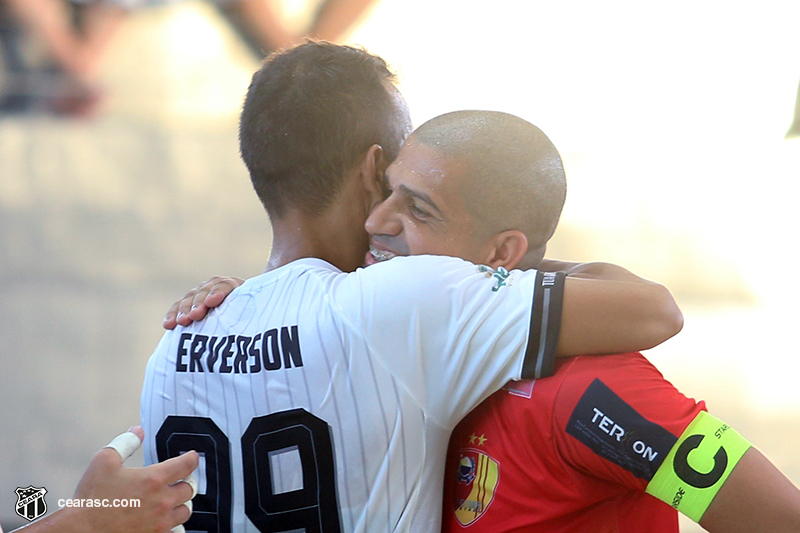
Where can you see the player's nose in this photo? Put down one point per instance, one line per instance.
(384, 219)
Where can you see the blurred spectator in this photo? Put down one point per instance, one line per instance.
(76, 33)
(256, 23)
(74, 36)
(335, 17)
(16, 97)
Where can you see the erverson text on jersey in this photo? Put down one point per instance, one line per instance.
(272, 350)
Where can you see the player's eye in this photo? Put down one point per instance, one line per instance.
(418, 212)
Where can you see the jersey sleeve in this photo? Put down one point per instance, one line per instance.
(452, 332)
(618, 419)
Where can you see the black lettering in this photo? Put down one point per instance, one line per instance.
(676, 501)
(227, 352)
(692, 476)
(290, 345)
(254, 353)
(213, 352)
(199, 345)
(180, 366)
(240, 363)
(269, 350)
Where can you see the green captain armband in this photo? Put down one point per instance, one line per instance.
(698, 465)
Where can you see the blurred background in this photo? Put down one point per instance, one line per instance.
(675, 122)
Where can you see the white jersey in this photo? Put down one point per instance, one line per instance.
(324, 401)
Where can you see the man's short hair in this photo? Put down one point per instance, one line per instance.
(310, 112)
(515, 176)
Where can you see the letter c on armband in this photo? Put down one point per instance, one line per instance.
(698, 465)
(691, 476)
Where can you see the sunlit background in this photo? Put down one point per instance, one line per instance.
(670, 118)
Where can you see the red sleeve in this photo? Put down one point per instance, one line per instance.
(616, 418)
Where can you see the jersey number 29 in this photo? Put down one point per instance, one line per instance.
(313, 507)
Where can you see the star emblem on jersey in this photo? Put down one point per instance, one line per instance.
(30, 502)
(474, 437)
(478, 475)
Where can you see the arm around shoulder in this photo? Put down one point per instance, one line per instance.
(607, 309)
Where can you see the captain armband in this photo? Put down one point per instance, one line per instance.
(698, 465)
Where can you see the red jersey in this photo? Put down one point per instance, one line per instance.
(573, 452)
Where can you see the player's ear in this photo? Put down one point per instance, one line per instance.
(371, 168)
(507, 249)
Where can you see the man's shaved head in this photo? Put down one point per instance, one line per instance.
(513, 177)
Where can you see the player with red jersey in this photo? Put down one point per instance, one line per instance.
(573, 451)
(591, 449)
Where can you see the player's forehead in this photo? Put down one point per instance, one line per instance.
(420, 169)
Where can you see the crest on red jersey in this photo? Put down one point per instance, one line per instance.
(478, 475)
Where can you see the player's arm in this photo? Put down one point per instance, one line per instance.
(608, 309)
(158, 489)
(716, 478)
(756, 497)
(669, 447)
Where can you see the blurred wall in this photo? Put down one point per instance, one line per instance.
(103, 223)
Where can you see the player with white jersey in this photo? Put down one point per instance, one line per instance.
(321, 398)
(357, 380)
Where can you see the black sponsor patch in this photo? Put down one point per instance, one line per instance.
(614, 430)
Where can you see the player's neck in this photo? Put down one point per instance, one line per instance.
(335, 234)
(297, 236)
